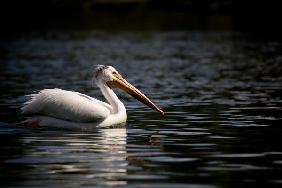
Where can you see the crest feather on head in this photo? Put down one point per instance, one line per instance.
(99, 68)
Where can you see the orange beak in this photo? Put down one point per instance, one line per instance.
(133, 91)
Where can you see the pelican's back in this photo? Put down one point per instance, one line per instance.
(67, 105)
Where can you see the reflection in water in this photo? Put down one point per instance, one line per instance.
(96, 158)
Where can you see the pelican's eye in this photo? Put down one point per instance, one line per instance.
(115, 74)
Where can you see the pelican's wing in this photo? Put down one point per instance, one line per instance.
(67, 105)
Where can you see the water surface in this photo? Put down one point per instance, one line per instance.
(221, 93)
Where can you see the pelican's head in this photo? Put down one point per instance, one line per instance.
(109, 75)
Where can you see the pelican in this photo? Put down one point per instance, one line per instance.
(76, 107)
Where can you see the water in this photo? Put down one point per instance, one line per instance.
(221, 93)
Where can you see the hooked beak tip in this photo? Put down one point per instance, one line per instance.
(162, 113)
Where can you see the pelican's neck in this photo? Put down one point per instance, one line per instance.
(112, 98)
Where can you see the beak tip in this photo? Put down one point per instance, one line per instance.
(161, 112)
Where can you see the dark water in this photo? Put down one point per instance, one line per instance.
(221, 93)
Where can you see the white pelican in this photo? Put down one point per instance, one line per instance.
(76, 107)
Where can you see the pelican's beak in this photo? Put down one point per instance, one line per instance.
(133, 91)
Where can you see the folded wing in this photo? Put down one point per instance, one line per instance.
(67, 105)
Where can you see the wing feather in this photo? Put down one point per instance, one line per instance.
(68, 105)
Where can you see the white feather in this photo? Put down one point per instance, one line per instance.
(67, 105)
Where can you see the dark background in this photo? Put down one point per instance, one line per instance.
(260, 18)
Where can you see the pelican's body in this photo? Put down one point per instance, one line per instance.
(77, 107)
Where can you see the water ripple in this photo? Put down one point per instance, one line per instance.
(221, 93)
